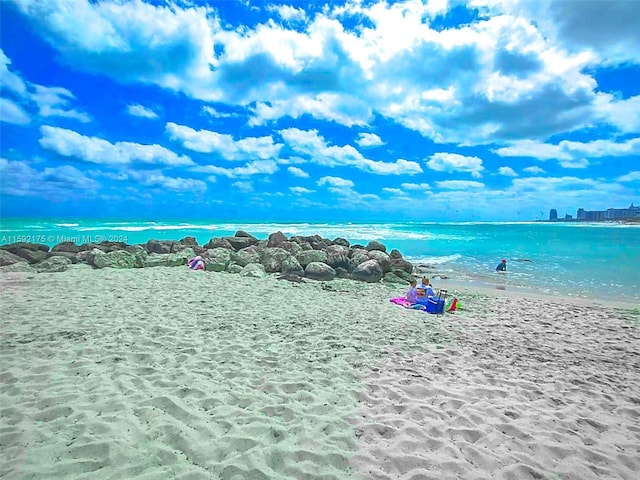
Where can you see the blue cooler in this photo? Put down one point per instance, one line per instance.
(435, 305)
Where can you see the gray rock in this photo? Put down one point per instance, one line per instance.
(401, 264)
(319, 271)
(392, 278)
(238, 243)
(140, 253)
(291, 266)
(160, 246)
(356, 257)
(395, 255)
(88, 256)
(242, 233)
(342, 273)
(276, 239)
(369, 271)
(383, 259)
(71, 256)
(307, 256)
(337, 256)
(292, 247)
(272, 258)
(167, 259)
(14, 247)
(373, 245)
(246, 256)
(217, 259)
(341, 241)
(189, 242)
(56, 263)
(115, 259)
(253, 270)
(234, 268)
(16, 267)
(67, 247)
(218, 243)
(31, 256)
(8, 258)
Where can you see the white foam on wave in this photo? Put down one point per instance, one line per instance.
(66, 224)
(435, 260)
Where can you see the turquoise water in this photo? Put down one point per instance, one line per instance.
(578, 259)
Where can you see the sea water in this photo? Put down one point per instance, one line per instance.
(600, 260)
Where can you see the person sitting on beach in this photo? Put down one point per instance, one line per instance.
(196, 263)
(502, 266)
(425, 290)
(412, 294)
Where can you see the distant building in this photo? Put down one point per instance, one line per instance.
(553, 215)
(609, 214)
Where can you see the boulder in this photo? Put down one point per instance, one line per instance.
(401, 264)
(321, 244)
(105, 246)
(115, 259)
(374, 245)
(337, 256)
(395, 254)
(253, 270)
(242, 233)
(71, 256)
(234, 268)
(167, 259)
(57, 263)
(383, 259)
(88, 256)
(307, 256)
(292, 247)
(217, 259)
(342, 272)
(369, 271)
(341, 241)
(392, 278)
(291, 266)
(31, 256)
(272, 258)
(238, 243)
(319, 271)
(246, 256)
(13, 247)
(160, 246)
(356, 257)
(67, 247)
(8, 258)
(276, 239)
(189, 242)
(218, 243)
(140, 253)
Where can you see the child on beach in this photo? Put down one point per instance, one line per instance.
(196, 263)
(425, 290)
(412, 294)
(502, 266)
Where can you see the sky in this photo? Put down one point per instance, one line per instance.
(353, 110)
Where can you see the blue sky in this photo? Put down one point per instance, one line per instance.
(356, 110)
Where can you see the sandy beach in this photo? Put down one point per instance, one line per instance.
(164, 372)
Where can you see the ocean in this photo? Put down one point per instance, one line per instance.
(599, 260)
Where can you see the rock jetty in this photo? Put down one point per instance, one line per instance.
(295, 258)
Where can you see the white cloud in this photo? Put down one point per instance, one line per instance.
(312, 145)
(300, 190)
(298, 172)
(8, 79)
(570, 151)
(623, 114)
(416, 186)
(138, 110)
(10, 112)
(335, 182)
(97, 150)
(154, 178)
(212, 112)
(459, 184)
(507, 172)
(534, 169)
(20, 178)
(453, 162)
(54, 102)
(630, 177)
(207, 141)
(287, 12)
(393, 191)
(258, 167)
(244, 187)
(369, 140)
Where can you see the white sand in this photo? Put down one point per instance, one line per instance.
(167, 373)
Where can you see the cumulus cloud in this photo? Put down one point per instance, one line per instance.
(244, 187)
(369, 140)
(11, 112)
(416, 186)
(310, 144)
(570, 152)
(300, 190)
(69, 143)
(21, 178)
(155, 178)
(459, 184)
(9, 80)
(453, 162)
(258, 167)
(287, 12)
(630, 177)
(138, 110)
(507, 172)
(534, 169)
(298, 172)
(207, 141)
(335, 182)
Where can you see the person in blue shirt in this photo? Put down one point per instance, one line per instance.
(502, 266)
